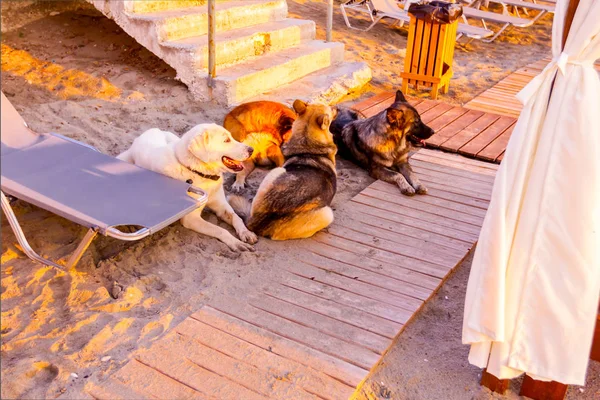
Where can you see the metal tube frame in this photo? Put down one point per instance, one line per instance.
(329, 20)
(87, 239)
(212, 69)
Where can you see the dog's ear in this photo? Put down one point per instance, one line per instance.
(285, 123)
(400, 97)
(300, 107)
(324, 121)
(198, 144)
(395, 116)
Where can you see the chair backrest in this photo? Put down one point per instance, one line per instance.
(387, 6)
(15, 133)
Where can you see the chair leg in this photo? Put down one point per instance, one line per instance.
(490, 40)
(16, 228)
(83, 245)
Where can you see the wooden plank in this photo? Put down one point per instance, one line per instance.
(336, 259)
(263, 359)
(213, 372)
(493, 150)
(142, 378)
(425, 105)
(457, 161)
(464, 173)
(351, 335)
(342, 306)
(407, 231)
(350, 299)
(433, 200)
(387, 210)
(382, 254)
(386, 296)
(333, 366)
(443, 207)
(539, 390)
(479, 188)
(295, 331)
(373, 101)
(487, 136)
(431, 263)
(453, 128)
(403, 290)
(469, 132)
(435, 112)
(446, 118)
(442, 193)
(494, 384)
(397, 237)
(427, 207)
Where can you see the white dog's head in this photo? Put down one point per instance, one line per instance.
(214, 146)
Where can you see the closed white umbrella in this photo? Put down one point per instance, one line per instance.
(533, 291)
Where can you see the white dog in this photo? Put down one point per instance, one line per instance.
(200, 156)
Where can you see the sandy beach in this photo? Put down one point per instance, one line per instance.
(81, 76)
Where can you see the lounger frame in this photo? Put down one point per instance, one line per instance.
(92, 231)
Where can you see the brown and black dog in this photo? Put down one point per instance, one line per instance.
(293, 201)
(381, 144)
(263, 125)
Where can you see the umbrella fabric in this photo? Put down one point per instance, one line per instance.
(533, 291)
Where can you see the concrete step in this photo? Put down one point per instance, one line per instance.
(193, 21)
(327, 85)
(237, 45)
(235, 84)
(152, 6)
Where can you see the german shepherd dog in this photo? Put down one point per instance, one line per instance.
(293, 201)
(381, 144)
(263, 125)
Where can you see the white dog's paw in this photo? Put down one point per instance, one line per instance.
(238, 245)
(248, 237)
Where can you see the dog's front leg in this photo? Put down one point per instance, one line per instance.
(393, 177)
(195, 222)
(218, 203)
(406, 170)
(240, 178)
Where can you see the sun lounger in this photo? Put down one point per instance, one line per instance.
(488, 16)
(379, 9)
(79, 183)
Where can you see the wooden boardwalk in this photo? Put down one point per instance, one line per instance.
(315, 331)
(472, 133)
(500, 98)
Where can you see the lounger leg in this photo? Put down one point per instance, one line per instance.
(490, 40)
(14, 224)
(83, 245)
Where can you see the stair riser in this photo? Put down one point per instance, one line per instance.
(233, 18)
(151, 6)
(230, 53)
(272, 77)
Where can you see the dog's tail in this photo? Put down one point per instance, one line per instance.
(241, 206)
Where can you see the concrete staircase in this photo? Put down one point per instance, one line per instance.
(260, 53)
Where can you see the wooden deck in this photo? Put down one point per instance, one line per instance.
(500, 98)
(472, 133)
(315, 331)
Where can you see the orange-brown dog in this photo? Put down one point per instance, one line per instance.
(263, 125)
